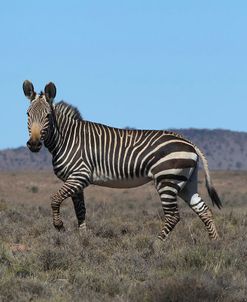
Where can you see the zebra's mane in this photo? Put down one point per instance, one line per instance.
(69, 110)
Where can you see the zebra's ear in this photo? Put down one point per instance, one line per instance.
(50, 91)
(28, 90)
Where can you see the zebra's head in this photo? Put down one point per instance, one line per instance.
(39, 113)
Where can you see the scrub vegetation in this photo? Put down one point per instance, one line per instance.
(119, 258)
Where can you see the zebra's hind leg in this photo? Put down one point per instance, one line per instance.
(80, 210)
(168, 192)
(190, 195)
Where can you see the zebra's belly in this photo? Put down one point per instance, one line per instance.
(120, 183)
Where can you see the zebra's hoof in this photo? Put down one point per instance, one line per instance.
(158, 245)
(59, 227)
(82, 228)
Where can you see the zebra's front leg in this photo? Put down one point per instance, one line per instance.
(56, 201)
(72, 186)
(80, 209)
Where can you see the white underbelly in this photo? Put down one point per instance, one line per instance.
(120, 183)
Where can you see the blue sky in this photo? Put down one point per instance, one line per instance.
(144, 64)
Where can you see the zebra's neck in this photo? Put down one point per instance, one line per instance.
(64, 119)
(54, 138)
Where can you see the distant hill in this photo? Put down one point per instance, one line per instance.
(23, 159)
(225, 150)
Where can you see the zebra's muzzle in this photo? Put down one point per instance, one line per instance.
(34, 146)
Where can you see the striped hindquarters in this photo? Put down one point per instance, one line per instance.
(175, 160)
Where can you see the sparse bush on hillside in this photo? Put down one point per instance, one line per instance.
(238, 165)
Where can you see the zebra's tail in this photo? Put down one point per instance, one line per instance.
(211, 190)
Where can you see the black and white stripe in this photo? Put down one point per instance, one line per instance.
(87, 153)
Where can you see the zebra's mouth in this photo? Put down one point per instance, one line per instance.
(35, 149)
(34, 146)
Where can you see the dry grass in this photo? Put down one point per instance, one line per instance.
(118, 259)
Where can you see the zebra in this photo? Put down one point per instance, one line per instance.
(85, 153)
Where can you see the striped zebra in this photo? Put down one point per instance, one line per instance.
(87, 153)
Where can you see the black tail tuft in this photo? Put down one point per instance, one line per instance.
(214, 195)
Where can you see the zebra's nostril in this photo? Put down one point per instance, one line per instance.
(34, 146)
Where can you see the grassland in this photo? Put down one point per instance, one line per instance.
(118, 259)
